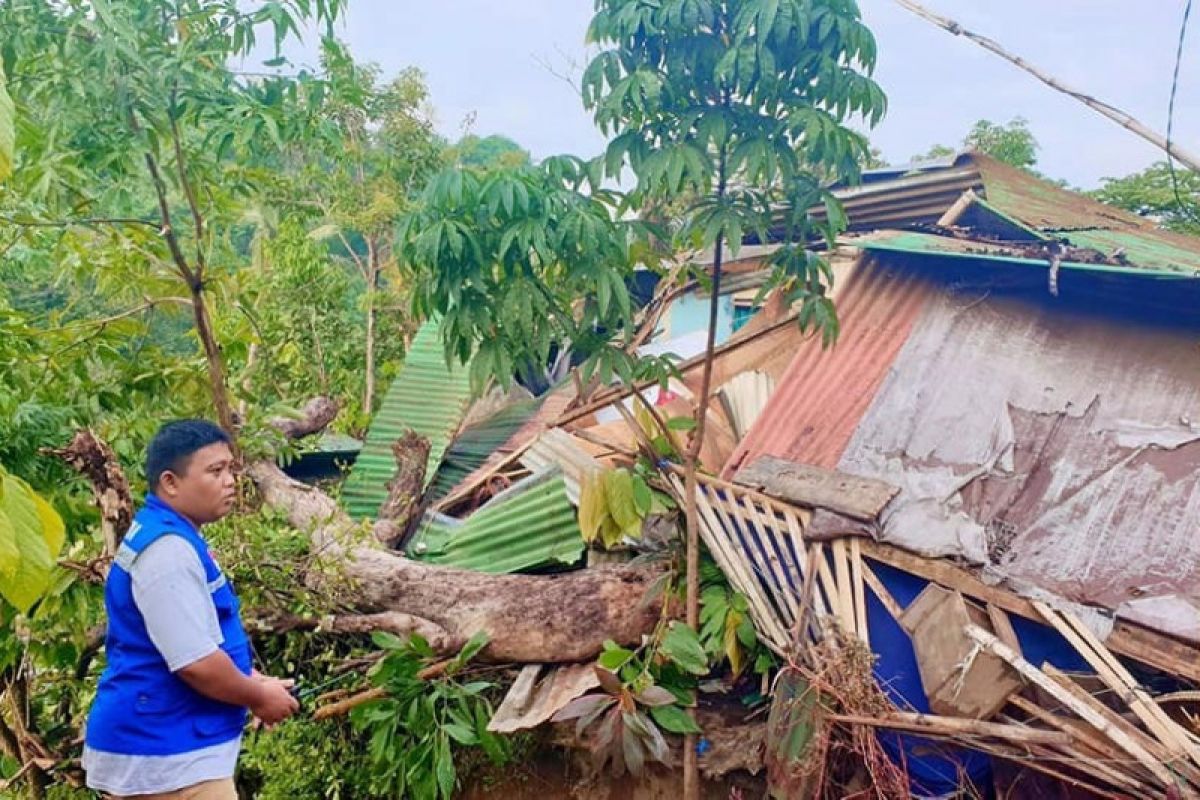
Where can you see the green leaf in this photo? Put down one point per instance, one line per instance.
(461, 733)
(681, 645)
(387, 641)
(643, 497)
(8, 133)
(618, 491)
(446, 775)
(10, 554)
(674, 719)
(32, 575)
(612, 659)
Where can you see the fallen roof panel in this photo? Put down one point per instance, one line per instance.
(476, 444)
(531, 525)
(427, 396)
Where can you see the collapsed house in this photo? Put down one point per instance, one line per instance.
(990, 480)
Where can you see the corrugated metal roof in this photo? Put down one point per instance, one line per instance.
(552, 407)
(428, 397)
(474, 445)
(906, 200)
(533, 524)
(1044, 206)
(557, 449)
(1048, 439)
(744, 397)
(821, 397)
(1158, 250)
(929, 244)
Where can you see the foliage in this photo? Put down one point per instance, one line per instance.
(366, 149)
(302, 758)
(646, 691)
(1012, 143)
(1152, 194)
(490, 151)
(743, 104)
(613, 504)
(520, 262)
(31, 536)
(726, 630)
(419, 732)
(8, 132)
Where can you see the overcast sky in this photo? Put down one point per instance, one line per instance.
(488, 59)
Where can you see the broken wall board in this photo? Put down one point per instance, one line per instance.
(1139, 644)
(801, 484)
(958, 679)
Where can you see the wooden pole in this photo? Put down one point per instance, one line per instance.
(1115, 114)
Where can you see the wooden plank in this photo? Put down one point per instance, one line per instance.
(1140, 644)
(1087, 712)
(881, 592)
(1002, 626)
(1113, 673)
(1089, 746)
(841, 568)
(850, 495)
(860, 599)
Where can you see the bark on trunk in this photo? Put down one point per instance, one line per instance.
(314, 417)
(216, 365)
(529, 619)
(406, 491)
(372, 279)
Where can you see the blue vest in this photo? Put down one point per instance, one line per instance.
(141, 708)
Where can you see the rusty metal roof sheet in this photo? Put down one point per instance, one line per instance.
(530, 525)
(820, 399)
(1050, 443)
(427, 396)
(1041, 204)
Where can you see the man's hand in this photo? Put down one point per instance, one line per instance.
(216, 676)
(274, 703)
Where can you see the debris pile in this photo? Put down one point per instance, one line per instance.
(966, 529)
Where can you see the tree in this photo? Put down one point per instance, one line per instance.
(1152, 193)
(523, 262)
(159, 157)
(368, 148)
(491, 151)
(1013, 143)
(743, 103)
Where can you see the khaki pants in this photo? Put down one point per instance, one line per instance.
(206, 790)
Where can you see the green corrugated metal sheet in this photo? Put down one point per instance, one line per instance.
(428, 397)
(1149, 250)
(531, 525)
(929, 244)
(474, 444)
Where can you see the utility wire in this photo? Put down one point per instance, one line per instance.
(1184, 208)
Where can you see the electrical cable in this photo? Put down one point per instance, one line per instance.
(1183, 207)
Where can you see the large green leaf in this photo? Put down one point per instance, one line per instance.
(8, 135)
(32, 574)
(681, 645)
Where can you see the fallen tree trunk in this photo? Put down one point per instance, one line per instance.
(528, 619)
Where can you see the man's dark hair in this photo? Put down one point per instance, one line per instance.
(175, 443)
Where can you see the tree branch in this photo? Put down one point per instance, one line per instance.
(79, 221)
(188, 191)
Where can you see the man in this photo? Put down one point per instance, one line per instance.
(171, 705)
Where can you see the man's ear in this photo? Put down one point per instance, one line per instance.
(168, 483)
